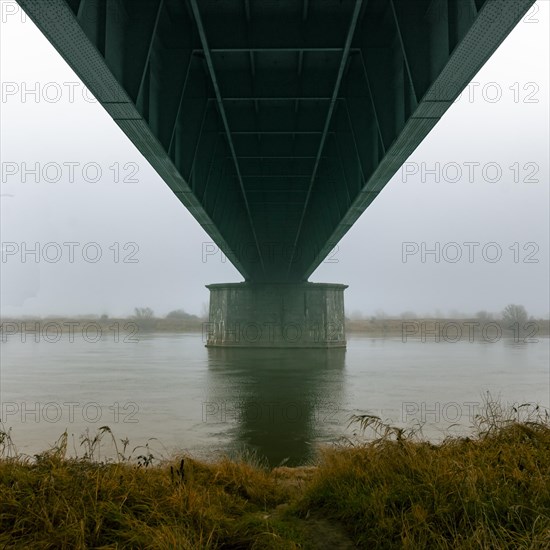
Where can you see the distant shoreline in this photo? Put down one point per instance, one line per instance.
(429, 328)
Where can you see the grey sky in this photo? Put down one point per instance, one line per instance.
(63, 125)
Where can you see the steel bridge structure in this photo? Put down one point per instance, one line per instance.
(276, 122)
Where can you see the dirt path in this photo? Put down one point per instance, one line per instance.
(326, 535)
(321, 533)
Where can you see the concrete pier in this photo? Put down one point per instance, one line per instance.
(274, 315)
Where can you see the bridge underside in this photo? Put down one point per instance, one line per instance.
(276, 123)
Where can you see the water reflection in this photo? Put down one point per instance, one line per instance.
(209, 402)
(276, 401)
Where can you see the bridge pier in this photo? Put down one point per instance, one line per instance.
(275, 315)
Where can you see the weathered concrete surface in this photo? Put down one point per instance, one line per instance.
(299, 315)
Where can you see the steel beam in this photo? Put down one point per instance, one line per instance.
(343, 62)
(405, 59)
(210, 64)
(372, 102)
(494, 22)
(149, 50)
(272, 77)
(57, 21)
(290, 49)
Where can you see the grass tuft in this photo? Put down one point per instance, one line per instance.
(390, 490)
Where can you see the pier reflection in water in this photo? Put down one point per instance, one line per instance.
(282, 403)
(278, 401)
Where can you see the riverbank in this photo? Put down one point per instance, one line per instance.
(491, 490)
(129, 329)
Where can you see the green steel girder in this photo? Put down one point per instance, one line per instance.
(439, 74)
(278, 134)
(341, 68)
(223, 116)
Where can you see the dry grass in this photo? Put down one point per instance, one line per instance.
(489, 491)
(391, 490)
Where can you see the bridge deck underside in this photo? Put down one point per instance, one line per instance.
(276, 122)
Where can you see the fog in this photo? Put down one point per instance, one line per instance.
(475, 193)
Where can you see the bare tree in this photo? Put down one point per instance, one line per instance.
(514, 314)
(180, 314)
(143, 313)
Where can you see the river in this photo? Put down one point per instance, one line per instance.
(280, 404)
